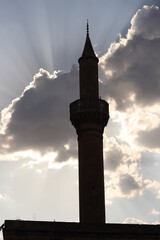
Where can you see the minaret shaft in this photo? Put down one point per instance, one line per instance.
(91, 179)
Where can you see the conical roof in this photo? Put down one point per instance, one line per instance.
(88, 49)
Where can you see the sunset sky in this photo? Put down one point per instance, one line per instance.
(40, 43)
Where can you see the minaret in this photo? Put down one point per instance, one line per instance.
(89, 115)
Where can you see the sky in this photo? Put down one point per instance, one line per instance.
(40, 44)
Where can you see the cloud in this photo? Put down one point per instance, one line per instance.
(130, 220)
(128, 184)
(127, 176)
(65, 153)
(39, 118)
(113, 159)
(155, 212)
(131, 65)
(145, 23)
(150, 139)
(131, 81)
(123, 186)
(121, 171)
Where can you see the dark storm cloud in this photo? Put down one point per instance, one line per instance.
(40, 117)
(132, 64)
(150, 139)
(128, 184)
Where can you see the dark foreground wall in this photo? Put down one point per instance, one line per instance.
(32, 230)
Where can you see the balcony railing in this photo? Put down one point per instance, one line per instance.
(94, 105)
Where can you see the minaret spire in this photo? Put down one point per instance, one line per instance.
(88, 49)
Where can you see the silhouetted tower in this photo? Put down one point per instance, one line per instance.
(89, 115)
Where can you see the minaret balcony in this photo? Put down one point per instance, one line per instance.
(89, 110)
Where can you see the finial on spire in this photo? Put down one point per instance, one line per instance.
(87, 29)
